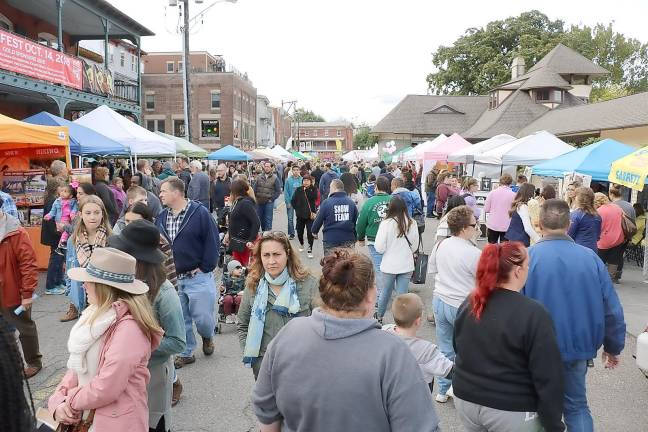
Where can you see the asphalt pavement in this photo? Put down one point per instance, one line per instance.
(217, 389)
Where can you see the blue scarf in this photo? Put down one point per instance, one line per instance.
(286, 304)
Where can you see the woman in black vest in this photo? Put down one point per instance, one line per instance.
(305, 201)
(244, 223)
(521, 228)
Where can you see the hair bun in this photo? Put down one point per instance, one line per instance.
(337, 268)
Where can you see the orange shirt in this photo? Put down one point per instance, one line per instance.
(611, 231)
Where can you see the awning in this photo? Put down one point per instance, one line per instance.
(16, 135)
(185, 147)
(83, 141)
(631, 170)
(530, 150)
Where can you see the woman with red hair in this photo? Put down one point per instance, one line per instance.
(508, 370)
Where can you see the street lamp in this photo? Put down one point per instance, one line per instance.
(185, 55)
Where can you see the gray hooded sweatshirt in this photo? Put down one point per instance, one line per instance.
(322, 373)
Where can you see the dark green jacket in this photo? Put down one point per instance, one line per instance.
(372, 213)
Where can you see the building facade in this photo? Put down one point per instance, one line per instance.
(45, 67)
(283, 126)
(223, 100)
(326, 140)
(266, 129)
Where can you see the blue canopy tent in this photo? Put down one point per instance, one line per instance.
(83, 140)
(594, 160)
(229, 153)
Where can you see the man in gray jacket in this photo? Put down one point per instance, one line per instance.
(267, 189)
(199, 185)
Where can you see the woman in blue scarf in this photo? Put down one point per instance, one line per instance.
(278, 288)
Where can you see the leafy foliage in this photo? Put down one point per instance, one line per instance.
(480, 59)
(363, 138)
(303, 115)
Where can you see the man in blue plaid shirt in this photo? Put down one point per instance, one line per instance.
(8, 205)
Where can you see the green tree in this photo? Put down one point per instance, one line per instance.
(480, 59)
(303, 115)
(363, 138)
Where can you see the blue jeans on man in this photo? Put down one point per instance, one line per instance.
(397, 283)
(290, 211)
(431, 199)
(265, 215)
(445, 316)
(578, 417)
(376, 258)
(198, 299)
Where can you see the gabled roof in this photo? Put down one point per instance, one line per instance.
(543, 78)
(623, 112)
(564, 60)
(416, 115)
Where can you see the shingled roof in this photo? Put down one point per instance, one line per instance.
(623, 112)
(564, 60)
(432, 115)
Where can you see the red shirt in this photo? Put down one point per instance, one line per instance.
(611, 230)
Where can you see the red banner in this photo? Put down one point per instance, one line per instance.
(37, 153)
(21, 55)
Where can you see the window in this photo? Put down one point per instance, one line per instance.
(315, 132)
(236, 129)
(161, 125)
(549, 96)
(170, 67)
(133, 62)
(5, 23)
(180, 65)
(48, 40)
(150, 125)
(339, 133)
(155, 125)
(122, 59)
(215, 100)
(210, 128)
(326, 132)
(179, 127)
(150, 101)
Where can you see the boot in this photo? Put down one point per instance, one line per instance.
(177, 392)
(612, 270)
(71, 314)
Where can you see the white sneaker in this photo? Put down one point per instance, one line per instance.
(229, 319)
(441, 398)
(301, 248)
(450, 392)
(310, 253)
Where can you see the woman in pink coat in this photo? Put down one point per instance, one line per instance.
(109, 347)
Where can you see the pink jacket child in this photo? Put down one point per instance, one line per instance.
(63, 211)
(117, 392)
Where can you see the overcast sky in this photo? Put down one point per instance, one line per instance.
(352, 59)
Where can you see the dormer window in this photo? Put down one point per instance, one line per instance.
(443, 109)
(492, 103)
(548, 96)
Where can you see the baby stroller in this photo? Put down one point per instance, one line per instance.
(221, 318)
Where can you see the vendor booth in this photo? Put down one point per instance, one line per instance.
(26, 152)
(283, 153)
(184, 147)
(593, 160)
(83, 141)
(530, 150)
(229, 153)
(416, 154)
(467, 156)
(140, 141)
(273, 155)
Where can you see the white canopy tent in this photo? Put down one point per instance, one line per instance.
(467, 155)
(361, 155)
(141, 141)
(416, 154)
(282, 152)
(272, 155)
(530, 150)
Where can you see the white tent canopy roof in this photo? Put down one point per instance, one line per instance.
(141, 141)
(417, 152)
(272, 155)
(280, 151)
(468, 154)
(530, 150)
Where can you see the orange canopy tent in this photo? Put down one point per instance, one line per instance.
(20, 139)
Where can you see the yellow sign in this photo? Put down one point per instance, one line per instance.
(338, 145)
(631, 170)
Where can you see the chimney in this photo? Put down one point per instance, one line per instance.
(518, 67)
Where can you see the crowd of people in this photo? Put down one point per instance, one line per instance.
(136, 252)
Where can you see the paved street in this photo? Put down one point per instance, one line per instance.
(217, 389)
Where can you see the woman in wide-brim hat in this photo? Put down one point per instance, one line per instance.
(141, 239)
(109, 347)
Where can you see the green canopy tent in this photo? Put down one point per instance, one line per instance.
(185, 147)
(298, 155)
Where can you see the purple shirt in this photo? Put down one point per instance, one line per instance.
(497, 206)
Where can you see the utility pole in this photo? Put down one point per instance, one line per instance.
(185, 70)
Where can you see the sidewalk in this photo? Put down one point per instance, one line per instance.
(633, 294)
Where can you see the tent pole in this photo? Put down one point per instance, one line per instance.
(501, 169)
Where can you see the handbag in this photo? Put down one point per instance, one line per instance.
(419, 274)
(312, 214)
(82, 426)
(629, 227)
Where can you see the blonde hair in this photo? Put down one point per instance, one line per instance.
(406, 308)
(90, 199)
(467, 182)
(138, 305)
(584, 200)
(600, 199)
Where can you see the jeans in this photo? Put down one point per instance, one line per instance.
(445, 316)
(577, 414)
(55, 269)
(291, 220)
(265, 215)
(431, 198)
(197, 298)
(376, 258)
(390, 280)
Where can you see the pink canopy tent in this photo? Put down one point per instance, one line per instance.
(440, 152)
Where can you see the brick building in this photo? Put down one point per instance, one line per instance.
(283, 126)
(322, 138)
(223, 101)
